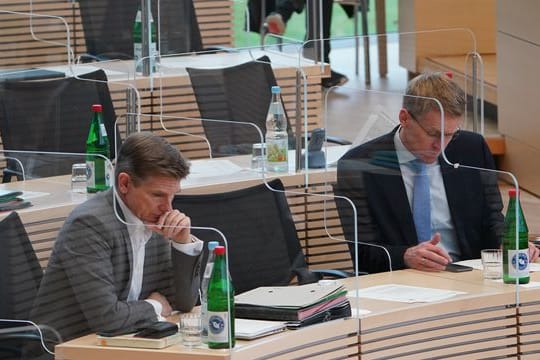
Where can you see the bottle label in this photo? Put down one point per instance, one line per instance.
(208, 270)
(137, 56)
(103, 130)
(218, 326)
(109, 171)
(90, 174)
(518, 263)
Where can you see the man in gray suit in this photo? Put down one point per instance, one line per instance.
(124, 258)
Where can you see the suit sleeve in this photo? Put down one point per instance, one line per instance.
(187, 279)
(375, 257)
(493, 221)
(87, 257)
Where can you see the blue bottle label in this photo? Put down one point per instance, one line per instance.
(218, 326)
(518, 261)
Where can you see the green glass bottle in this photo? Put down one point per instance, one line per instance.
(515, 261)
(137, 43)
(220, 312)
(97, 142)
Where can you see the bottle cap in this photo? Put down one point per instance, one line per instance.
(219, 250)
(512, 192)
(276, 89)
(212, 245)
(97, 108)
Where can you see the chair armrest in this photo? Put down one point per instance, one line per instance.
(337, 140)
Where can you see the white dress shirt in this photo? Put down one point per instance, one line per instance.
(441, 219)
(139, 235)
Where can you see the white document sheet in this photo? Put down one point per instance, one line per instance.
(404, 293)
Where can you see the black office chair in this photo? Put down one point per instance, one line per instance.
(264, 249)
(108, 27)
(239, 93)
(20, 276)
(51, 115)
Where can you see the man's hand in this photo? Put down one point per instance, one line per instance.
(174, 225)
(427, 256)
(166, 308)
(533, 252)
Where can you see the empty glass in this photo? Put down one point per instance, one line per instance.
(191, 329)
(258, 156)
(492, 263)
(78, 178)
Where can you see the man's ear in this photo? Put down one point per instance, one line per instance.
(403, 117)
(123, 182)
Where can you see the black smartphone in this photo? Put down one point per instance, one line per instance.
(158, 330)
(457, 268)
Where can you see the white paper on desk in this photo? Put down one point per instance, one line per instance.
(211, 168)
(27, 195)
(404, 293)
(477, 264)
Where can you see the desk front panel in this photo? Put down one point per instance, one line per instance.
(480, 323)
(331, 340)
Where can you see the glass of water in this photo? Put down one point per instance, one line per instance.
(78, 178)
(191, 329)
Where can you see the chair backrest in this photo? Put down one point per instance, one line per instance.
(108, 27)
(263, 245)
(240, 93)
(51, 115)
(20, 272)
(20, 277)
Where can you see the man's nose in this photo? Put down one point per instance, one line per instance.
(166, 205)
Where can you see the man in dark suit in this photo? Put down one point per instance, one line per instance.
(379, 178)
(124, 258)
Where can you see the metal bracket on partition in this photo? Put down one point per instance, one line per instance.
(475, 99)
(131, 112)
(298, 122)
(146, 36)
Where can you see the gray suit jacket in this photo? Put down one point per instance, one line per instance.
(87, 280)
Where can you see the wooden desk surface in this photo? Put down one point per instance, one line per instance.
(482, 322)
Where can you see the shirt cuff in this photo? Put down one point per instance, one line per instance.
(157, 307)
(193, 248)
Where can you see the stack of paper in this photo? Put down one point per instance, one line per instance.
(298, 305)
(11, 200)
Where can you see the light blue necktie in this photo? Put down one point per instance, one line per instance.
(421, 201)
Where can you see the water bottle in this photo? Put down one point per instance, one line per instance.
(277, 142)
(204, 289)
(220, 311)
(97, 142)
(515, 261)
(137, 42)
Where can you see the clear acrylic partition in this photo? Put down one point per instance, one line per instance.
(37, 39)
(376, 168)
(30, 223)
(368, 64)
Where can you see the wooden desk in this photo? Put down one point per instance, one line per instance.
(44, 219)
(481, 323)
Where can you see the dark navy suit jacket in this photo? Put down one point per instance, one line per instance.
(369, 175)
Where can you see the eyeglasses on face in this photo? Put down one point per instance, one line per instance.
(433, 133)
